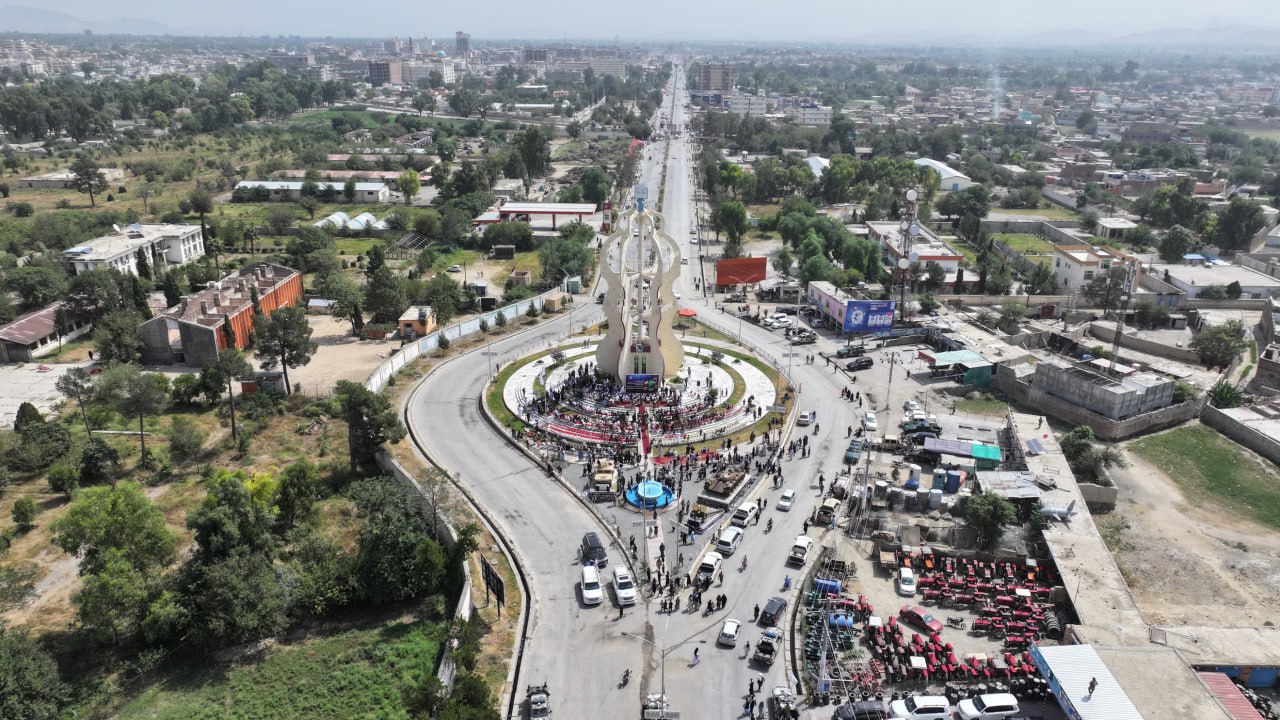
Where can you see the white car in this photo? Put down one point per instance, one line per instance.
(869, 422)
(906, 582)
(454, 268)
(592, 590)
(922, 707)
(786, 499)
(729, 633)
(785, 322)
(988, 707)
(624, 585)
(911, 407)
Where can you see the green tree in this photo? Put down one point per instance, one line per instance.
(464, 102)
(186, 440)
(35, 285)
(573, 129)
(731, 218)
(111, 601)
(1108, 289)
(230, 366)
(393, 543)
(1176, 243)
(201, 202)
(348, 299)
(783, 261)
(371, 419)
(385, 296)
(99, 462)
(88, 177)
(230, 521)
(562, 257)
(816, 268)
(119, 517)
(1218, 345)
(284, 341)
(24, 513)
(39, 446)
(534, 149)
(116, 338)
(133, 393)
(30, 688)
(595, 184)
(237, 600)
(988, 514)
(1011, 316)
(408, 184)
(298, 491)
(27, 415)
(1238, 223)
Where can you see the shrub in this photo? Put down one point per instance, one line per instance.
(22, 209)
(24, 513)
(185, 440)
(500, 319)
(443, 342)
(532, 311)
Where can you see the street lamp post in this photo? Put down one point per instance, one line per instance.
(662, 653)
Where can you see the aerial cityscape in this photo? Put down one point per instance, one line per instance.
(919, 364)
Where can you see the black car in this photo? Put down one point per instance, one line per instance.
(861, 363)
(849, 351)
(772, 611)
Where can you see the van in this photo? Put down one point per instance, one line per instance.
(800, 550)
(828, 510)
(745, 513)
(729, 540)
(593, 551)
(592, 590)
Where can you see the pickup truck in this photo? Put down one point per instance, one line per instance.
(767, 649)
(800, 550)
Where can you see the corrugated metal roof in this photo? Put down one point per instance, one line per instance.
(1227, 693)
(1073, 667)
(948, 447)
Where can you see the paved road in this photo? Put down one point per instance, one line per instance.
(581, 651)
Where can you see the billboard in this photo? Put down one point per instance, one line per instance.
(741, 271)
(642, 383)
(869, 315)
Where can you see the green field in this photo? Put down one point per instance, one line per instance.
(1210, 468)
(985, 405)
(1266, 134)
(355, 673)
(1025, 243)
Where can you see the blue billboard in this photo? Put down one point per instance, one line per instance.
(869, 315)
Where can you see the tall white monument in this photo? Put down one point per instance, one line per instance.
(640, 263)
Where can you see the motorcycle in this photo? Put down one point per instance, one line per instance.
(955, 622)
(769, 526)
(626, 677)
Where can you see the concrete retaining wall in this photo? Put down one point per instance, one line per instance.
(1099, 499)
(1151, 347)
(1241, 433)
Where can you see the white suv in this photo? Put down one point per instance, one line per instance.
(592, 591)
(922, 707)
(988, 707)
(625, 585)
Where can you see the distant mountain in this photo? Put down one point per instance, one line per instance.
(21, 18)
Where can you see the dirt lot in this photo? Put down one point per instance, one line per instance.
(1189, 564)
(340, 357)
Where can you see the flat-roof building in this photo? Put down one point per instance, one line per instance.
(163, 246)
(924, 247)
(1194, 278)
(1076, 265)
(191, 332)
(62, 179)
(368, 192)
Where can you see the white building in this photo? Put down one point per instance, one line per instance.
(1076, 265)
(62, 180)
(366, 192)
(925, 247)
(164, 246)
(747, 105)
(1194, 278)
(811, 115)
(952, 179)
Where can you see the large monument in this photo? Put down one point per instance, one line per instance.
(640, 262)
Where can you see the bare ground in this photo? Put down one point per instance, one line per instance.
(1193, 565)
(340, 357)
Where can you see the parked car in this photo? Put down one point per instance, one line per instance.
(804, 339)
(861, 363)
(869, 423)
(593, 552)
(919, 617)
(592, 590)
(849, 351)
(710, 566)
(730, 539)
(910, 408)
(906, 582)
(454, 269)
(920, 707)
(785, 500)
(624, 585)
(729, 633)
(861, 710)
(807, 418)
(988, 707)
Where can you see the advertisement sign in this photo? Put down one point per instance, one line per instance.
(869, 315)
(642, 383)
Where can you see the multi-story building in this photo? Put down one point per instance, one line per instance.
(535, 54)
(386, 72)
(608, 66)
(715, 78)
(924, 247)
(163, 246)
(811, 115)
(747, 105)
(192, 333)
(461, 44)
(1143, 131)
(1076, 265)
(319, 73)
(292, 62)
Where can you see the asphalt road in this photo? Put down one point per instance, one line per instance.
(581, 651)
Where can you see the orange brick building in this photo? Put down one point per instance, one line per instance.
(192, 332)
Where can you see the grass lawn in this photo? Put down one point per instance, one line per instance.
(353, 673)
(1026, 243)
(1053, 212)
(985, 405)
(1210, 468)
(457, 257)
(1266, 134)
(356, 246)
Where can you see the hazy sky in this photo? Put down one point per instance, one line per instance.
(749, 20)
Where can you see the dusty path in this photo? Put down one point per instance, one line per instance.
(1190, 564)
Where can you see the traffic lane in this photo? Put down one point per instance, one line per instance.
(545, 526)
